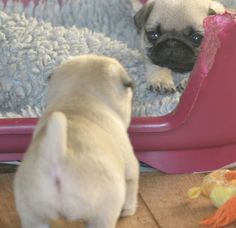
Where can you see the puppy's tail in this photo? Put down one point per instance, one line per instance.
(54, 144)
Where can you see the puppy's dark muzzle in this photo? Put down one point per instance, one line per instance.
(173, 54)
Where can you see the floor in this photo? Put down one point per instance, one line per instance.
(162, 203)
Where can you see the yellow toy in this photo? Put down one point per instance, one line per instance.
(220, 188)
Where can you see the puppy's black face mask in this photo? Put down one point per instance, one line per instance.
(176, 50)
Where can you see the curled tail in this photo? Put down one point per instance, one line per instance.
(54, 144)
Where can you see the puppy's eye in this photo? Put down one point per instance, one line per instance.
(196, 38)
(153, 36)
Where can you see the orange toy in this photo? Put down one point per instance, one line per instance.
(220, 188)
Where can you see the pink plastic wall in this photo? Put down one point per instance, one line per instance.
(199, 135)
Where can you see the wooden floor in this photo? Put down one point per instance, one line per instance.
(162, 203)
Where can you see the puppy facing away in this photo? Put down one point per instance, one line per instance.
(171, 33)
(80, 164)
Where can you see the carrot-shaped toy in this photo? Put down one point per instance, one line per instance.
(220, 187)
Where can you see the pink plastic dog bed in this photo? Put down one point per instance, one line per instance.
(199, 135)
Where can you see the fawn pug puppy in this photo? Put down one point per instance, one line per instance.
(80, 164)
(171, 33)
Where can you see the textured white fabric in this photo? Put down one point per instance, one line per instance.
(31, 49)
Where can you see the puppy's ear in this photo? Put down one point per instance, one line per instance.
(141, 17)
(50, 76)
(216, 8)
(127, 83)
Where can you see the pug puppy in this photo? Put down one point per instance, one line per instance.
(171, 34)
(80, 164)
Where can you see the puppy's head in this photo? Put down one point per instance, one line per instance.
(93, 78)
(172, 31)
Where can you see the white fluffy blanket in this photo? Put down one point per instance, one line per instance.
(31, 48)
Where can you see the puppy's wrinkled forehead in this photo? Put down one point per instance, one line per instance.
(178, 14)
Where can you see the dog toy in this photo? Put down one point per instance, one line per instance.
(220, 187)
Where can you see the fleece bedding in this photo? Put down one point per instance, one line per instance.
(36, 38)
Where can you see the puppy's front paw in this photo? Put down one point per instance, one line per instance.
(162, 81)
(182, 85)
(128, 211)
(163, 87)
